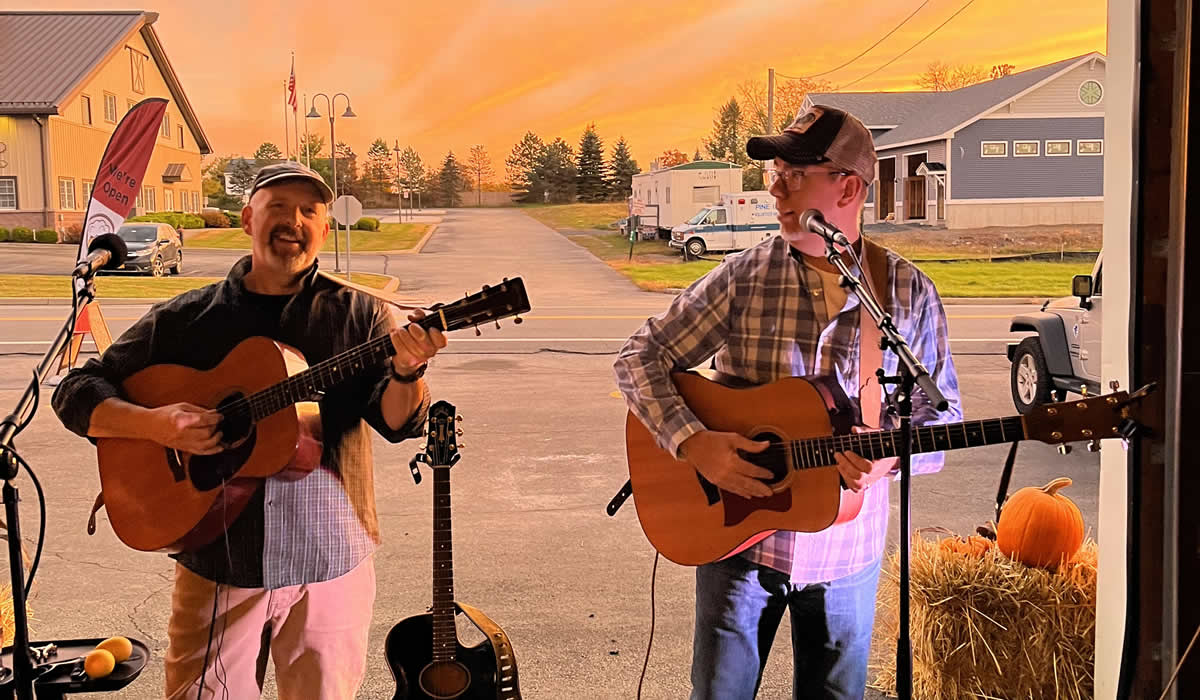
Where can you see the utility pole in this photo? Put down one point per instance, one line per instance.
(770, 101)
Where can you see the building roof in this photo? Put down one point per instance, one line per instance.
(46, 57)
(923, 116)
(705, 165)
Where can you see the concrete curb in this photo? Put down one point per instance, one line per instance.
(959, 301)
(420, 244)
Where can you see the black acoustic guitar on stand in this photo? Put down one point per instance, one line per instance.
(424, 653)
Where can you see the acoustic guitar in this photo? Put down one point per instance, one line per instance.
(159, 498)
(424, 653)
(807, 420)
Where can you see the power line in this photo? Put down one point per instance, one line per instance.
(922, 40)
(864, 53)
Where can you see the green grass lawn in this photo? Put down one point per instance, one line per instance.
(128, 287)
(616, 247)
(1005, 279)
(578, 217)
(388, 237)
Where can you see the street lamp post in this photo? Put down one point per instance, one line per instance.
(349, 113)
(399, 186)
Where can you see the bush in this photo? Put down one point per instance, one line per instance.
(235, 218)
(4, 234)
(367, 223)
(215, 219)
(72, 233)
(174, 218)
(46, 235)
(20, 234)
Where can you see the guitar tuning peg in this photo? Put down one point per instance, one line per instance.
(458, 431)
(458, 418)
(517, 320)
(497, 325)
(477, 332)
(1083, 390)
(1114, 385)
(462, 446)
(1064, 449)
(1093, 446)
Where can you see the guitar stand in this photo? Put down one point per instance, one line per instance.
(52, 676)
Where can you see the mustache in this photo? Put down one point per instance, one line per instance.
(285, 230)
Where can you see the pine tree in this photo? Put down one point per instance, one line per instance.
(557, 171)
(268, 151)
(727, 143)
(697, 157)
(378, 172)
(450, 181)
(592, 172)
(521, 167)
(624, 167)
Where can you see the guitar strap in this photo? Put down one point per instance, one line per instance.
(507, 687)
(870, 354)
(380, 294)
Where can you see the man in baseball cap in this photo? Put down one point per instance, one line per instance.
(290, 170)
(772, 311)
(814, 160)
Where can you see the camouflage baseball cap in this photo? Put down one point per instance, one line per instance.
(821, 134)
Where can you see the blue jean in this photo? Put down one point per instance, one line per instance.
(738, 609)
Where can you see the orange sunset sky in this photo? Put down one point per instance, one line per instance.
(447, 75)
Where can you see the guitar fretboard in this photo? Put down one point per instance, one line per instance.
(819, 452)
(444, 637)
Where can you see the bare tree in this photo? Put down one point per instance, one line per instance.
(940, 76)
(479, 165)
(789, 95)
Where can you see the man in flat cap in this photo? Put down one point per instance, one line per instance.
(292, 577)
(774, 311)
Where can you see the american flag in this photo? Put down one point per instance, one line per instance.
(292, 86)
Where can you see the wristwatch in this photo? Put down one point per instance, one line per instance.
(409, 379)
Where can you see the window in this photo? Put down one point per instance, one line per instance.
(181, 136)
(166, 125)
(110, 108)
(1091, 92)
(196, 202)
(66, 193)
(1090, 147)
(1058, 148)
(85, 106)
(138, 203)
(8, 192)
(668, 200)
(168, 199)
(130, 104)
(1025, 149)
(993, 149)
(87, 191)
(137, 71)
(148, 198)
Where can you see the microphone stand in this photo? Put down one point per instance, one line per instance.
(20, 678)
(911, 374)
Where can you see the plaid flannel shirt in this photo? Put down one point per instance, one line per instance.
(755, 316)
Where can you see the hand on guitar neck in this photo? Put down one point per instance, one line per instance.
(858, 473)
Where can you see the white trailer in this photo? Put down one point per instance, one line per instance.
(668, 197)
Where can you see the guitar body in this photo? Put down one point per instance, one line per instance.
(692, 522)
(160, 499)
(485, 671)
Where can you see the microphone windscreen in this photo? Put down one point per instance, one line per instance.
(112, 243)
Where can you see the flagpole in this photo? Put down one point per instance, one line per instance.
(295, 124)
(287, 143)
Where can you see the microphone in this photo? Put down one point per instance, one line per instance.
(106, 251)
(813, 221)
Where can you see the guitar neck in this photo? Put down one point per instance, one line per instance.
(444, 636)
(302, 386)
(819, 452)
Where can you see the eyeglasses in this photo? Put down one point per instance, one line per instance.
(793, 177)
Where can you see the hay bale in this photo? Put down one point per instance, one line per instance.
(990, 627)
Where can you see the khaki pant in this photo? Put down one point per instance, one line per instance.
(315, 633)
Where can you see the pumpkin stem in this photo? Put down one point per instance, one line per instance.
(1059, 483)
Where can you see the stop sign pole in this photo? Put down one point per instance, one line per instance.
(346, 209)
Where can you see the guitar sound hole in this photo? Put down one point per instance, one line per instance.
(445, 679)
(773, 458)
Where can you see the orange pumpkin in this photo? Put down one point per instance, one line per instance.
(1039, 526)
(973, 546)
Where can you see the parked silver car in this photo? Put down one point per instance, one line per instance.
(152, 247)
(1063, 354)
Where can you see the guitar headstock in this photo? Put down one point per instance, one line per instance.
(488, 305)
(441, 437)
(1110, 415)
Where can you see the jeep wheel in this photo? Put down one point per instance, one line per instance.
(696, 248)
(1031, 383)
